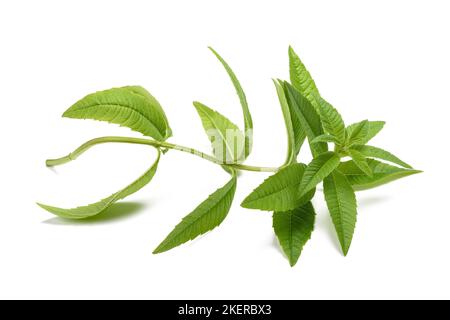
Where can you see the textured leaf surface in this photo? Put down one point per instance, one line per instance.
(226, 138)
(293, 229)
(317, 170)
(295, 132)
(301, 79)
(100, 206)
(374, 152)
(279, 192)
(308, 117)
(248, 122)
(357, 133)
(360, 161)
(382, 173)
(374, 127)
(341, 203)
(324, 138)
(332, 121)
(132, 107)
(208, 215)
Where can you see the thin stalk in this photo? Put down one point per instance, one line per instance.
(159, 144)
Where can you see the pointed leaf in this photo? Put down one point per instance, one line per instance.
(295, 132)
(382, 173)
(208, 215)
(374, 152)
(293, 229)
(374, 127)
(248, 122)
(279, 192)
(100, 206)
(360, 161)
(226, 138)
(341, 203)
(357, 133)
(146, 95)
(332, 121)
(131, 107)
(317, 170)
(308, 117)
(301, 79)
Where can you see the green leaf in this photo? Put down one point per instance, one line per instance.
(341, 203)
(301, 79)
(248, 122)
(332, 121)
(382, 173)
(360, 161)
(131, 107)
(317, 170)
(100, 206)
(226, 138)
(324, 138)
(357, 133)
(279, 192)
(146, 95)
(293, 229)
(308, 118)
(374, 128)
(374, 152)
(208, 215)
(296, 134)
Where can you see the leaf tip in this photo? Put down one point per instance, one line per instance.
(156, 251)
(345, 249)
(66, 114)
(44, 206)
(161, 248)
(245, 204)
(215, 53)
(292, 262)
(40, 204)
(197, 104)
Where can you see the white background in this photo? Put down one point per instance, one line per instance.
(381, 60)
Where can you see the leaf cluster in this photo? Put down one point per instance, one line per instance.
(309, 116)
(288, 193)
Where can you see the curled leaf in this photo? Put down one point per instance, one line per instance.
(248, 122)
(132, 107)
(100, 206)
(296, 134)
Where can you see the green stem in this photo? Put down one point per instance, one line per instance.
(159, 144)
